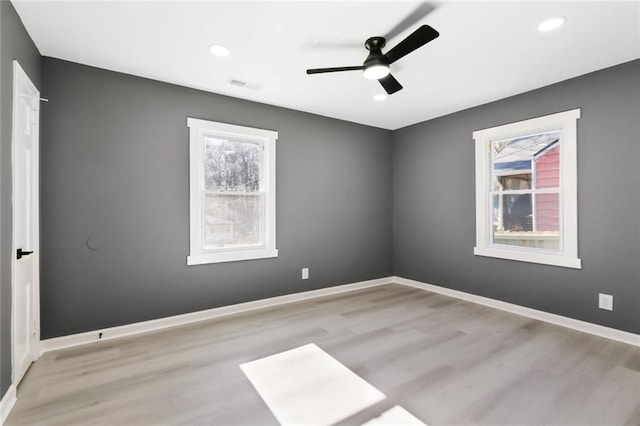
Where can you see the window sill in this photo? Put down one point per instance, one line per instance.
(524, 256)
(230, 256)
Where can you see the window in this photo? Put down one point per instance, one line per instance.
(526, 190)
(232, 192)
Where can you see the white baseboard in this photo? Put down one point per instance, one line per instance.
(6, 404)
(178, 320)
(586, 327)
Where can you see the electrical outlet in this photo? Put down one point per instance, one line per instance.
(305, 273)
(605, 301)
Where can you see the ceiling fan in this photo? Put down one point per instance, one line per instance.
(376, 65)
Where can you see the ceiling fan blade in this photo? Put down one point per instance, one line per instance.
(390, 84)
(418, 38)
(414, 17)
(335, 69)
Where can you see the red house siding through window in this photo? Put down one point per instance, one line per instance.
(547, 175)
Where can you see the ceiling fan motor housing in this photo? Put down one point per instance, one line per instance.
(374, 45)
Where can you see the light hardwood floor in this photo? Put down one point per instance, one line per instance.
(444, 360)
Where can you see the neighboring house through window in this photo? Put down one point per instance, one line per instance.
(232, 196)
(526, 201)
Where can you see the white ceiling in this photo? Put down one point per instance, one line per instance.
(486, 50)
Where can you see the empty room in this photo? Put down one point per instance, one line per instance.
(319, 212)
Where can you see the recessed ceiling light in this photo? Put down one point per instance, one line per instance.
(379, 97)
(551, 24)
(219, 50)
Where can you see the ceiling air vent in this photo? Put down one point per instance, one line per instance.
(243, 83)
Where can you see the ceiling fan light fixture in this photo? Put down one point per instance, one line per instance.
(376, 72)
(551, 24)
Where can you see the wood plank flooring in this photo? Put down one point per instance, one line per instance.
(444, 360)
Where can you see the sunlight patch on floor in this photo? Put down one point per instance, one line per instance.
(307, 386)
(395, 416)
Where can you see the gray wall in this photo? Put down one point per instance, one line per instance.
(115, 163)
(15, 43)
(434, 204)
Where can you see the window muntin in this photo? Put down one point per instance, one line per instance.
(526, 190)
(232, 192)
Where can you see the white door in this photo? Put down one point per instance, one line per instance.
(25, 272)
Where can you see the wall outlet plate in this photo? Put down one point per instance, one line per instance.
(605, 301)
(305, 273)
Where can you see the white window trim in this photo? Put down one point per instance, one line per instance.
(566, 122)
(198, 129)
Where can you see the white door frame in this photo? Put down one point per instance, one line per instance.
(20, 77)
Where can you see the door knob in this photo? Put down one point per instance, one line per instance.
(22, 253)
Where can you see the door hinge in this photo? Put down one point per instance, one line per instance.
(34, 328)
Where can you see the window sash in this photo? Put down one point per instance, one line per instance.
(535, 233)
(205, 246)
(260, 144)
(261, 222)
